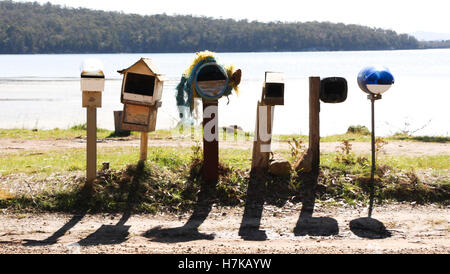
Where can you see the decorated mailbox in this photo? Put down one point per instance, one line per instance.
(205, 78)
(92, 83)
(333, 90)
(211, 81)
(273, 89)
(141, 95)
(375, 80)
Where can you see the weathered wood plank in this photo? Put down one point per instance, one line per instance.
(91, 146)
(92, 99)
(261, 148)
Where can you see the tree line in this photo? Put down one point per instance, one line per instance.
(35, 28)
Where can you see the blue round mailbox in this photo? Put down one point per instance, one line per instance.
(375, 80)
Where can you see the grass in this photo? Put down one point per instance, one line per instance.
(402, 162)
(165, 183)
(75, 159)
(170, 179)
(173, 157)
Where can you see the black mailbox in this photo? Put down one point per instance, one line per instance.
(273, 91)
(333, 90)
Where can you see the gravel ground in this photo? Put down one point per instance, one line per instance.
(408, 229)
(8, 145)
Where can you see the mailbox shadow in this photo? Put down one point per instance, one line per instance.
(189, 231)
(58, 234)
(369, 228)
(116, 234)
(259, 192)
(109, 234)
(307, 224)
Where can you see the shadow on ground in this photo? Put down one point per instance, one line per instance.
(369, 228)
(189, 231)
(307, 224)
(58, 234)
(109, 234)
(262, 189)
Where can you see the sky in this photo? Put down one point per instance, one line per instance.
(403, 16)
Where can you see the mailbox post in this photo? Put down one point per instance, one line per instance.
(210, 82)
(328, 90)
(92, 86)
(272, 95)
(141, 95)
(374, 81)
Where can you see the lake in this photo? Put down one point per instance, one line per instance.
(43, 91)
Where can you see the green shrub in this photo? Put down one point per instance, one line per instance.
(358, 129)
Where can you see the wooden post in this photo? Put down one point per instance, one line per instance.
(211, 147)
(91, 147)
(117, 121)
(144, 146)
(224, 133)
(261, 148)
(311, 161)
(314, 122)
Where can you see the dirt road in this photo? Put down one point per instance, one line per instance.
(409, 229)
(392, 148)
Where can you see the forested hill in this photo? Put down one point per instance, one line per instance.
(34, 28)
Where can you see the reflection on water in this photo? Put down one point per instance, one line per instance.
(43, 91)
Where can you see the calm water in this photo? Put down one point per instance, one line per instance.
(43, 90)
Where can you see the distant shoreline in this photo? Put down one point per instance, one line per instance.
(33, 28)
(227, 52)
(220, 52)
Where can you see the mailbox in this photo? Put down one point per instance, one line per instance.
(140, 117)
(375, 80)
(211, 81)
(273, 89)
(142, 84)
(333, 90)
(92, 83)
(141, 95)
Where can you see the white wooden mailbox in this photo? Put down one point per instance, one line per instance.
(92, 83)
(141, 95)
(142, 83)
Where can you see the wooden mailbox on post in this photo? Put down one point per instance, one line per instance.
(273, 89)
(92, 86)
(272, 94)
(141, 95)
